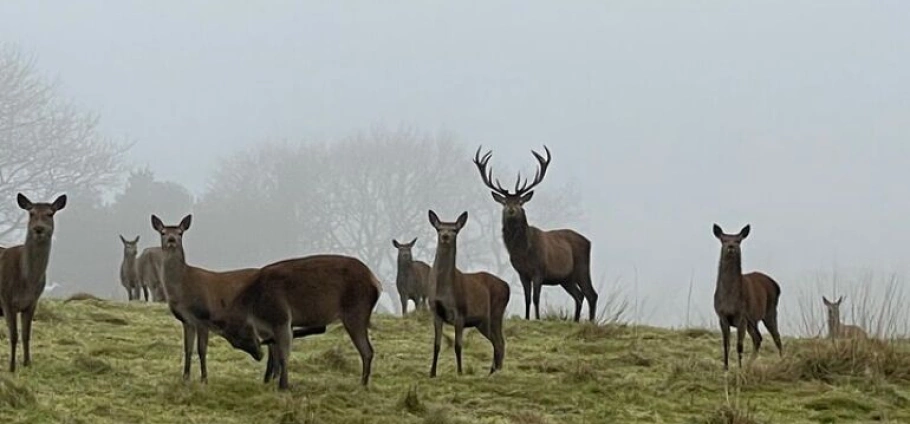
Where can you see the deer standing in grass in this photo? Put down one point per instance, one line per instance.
(412, 279)
(308, 293)
(129, 272)
(837, 329)
(149, 269)
(22, 273)
(555, 257)
(742, 300)
(476, 300)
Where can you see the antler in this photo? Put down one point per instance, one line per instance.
(538, 175)
(487, 174)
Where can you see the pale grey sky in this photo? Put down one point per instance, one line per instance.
(670, 115)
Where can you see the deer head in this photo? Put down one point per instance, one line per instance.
(172, 236)
(130, 248)
(833, 308)
(404, 249)
(41, 216)
(512, 203)
(447, 232)
(730, 242)
(241, 334)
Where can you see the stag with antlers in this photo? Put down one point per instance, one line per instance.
(555, 257)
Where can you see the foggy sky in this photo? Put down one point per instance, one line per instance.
(791, 116)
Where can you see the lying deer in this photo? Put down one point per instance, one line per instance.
(837, 329)
(22, 273)
(129, 273)
(462, 300)
(554, 257)
(412, 278)
(310, 292)
(742, 300)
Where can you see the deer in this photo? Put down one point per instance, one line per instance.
(149, 270)
(743, 300)
(23, 273)
(129, 274)
(307, 293)
(411, 280)
(554, 257)
(837, 329)
(464, 300)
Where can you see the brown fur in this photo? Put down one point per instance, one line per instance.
(149, 268)
(129, 272)
(462, 300)
(310, 292)
(556, 257)
(22, 273)
(413, 277)
(837, 329)
(742, 301)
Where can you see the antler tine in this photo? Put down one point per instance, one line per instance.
(541, 172)
(486, 173)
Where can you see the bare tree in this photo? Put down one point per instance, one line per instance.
(47, 145)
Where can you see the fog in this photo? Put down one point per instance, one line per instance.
(663, 118)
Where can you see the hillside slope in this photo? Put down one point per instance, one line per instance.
(110, 362)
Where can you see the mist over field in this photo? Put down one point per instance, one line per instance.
(290, 128)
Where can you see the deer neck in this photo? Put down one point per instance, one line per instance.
(36, 254)
(517, 235)
(129, 259)
(730, 275)
(174, 269)
(444, 269)
(833, 326)
(404, 270)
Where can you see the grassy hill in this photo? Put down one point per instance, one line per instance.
(109, 362)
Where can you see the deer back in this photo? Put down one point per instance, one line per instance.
(852, 332)
(556, 252)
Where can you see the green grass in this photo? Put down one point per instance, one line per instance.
(109, 362)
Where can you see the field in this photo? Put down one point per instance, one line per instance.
(110, 362)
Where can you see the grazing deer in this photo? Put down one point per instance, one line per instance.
(742, 300)
(310, 292)
(837, 329)
(129, 273)
(464, 300)
(554, 257)
(22, 273)
(412, 277)
(149, 269)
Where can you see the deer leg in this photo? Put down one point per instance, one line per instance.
(575, 292)
(771, 325)
(725, 333)
(485, 329)
(11, 323)
(356, 325)
(404, 304)
(202, 344)
(537, 285)
(587, 287)
(526, 286)
(283, 348)
(189, 336)
(437, 341)
(756, 338)
(145, 292)
(741, 328)
(27, 316)
(269, 366)
(459, 337)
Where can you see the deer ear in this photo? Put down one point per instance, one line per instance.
(462, 219)
(412, 242)
(839, 300)
(157, 224)
(744, 232)
(396, 244)
(498, 198)
(122, 239)
(827, 302)
(434, 220)
(23, 201)
(185, 222)
(136, 240)
(718, 232)
(59, 202)
(527, 197)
